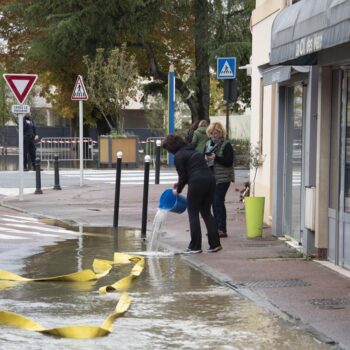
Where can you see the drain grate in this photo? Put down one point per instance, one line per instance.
(331, 303)
(255, 245)
(271, 284)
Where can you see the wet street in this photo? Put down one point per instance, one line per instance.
(174, 306)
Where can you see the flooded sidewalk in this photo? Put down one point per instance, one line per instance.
(174, 305)
(267, 271)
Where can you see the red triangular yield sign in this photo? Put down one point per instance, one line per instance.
(20, 84)
(79, 91)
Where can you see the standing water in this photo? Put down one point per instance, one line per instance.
(174, 306)
(158, 221)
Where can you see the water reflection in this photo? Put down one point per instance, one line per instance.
(174, 306)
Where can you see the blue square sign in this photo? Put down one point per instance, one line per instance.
(226, 67)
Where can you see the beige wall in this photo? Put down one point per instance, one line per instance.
(265, 8)
(263, 116)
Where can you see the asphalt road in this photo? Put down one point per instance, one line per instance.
(9, 180)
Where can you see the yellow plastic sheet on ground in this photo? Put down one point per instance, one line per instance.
(100, 269)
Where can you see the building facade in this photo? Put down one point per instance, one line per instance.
(301, 106)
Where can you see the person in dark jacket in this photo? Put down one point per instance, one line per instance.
(194, 172)
(29, 138)
(220, 156)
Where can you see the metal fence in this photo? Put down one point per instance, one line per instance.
(149, 146)
(66, 148)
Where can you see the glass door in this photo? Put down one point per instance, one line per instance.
(294, 162)
(344, 202)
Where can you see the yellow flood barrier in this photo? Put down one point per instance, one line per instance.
(77, 332)
(100, 269)
(124, 283)
(80, 276)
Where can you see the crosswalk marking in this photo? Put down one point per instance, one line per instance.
(14, 227)
(42, 228)
(128, 177)
(24, 232)
(2, 236)
(21, 218)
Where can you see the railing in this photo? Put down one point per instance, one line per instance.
(66, 148)
(149, 147)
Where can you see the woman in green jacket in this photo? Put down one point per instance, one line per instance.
(200, 137)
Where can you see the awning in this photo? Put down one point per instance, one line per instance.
(307, 27)
(276, 74)
(279, 74)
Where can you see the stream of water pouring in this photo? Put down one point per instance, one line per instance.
(158, 221)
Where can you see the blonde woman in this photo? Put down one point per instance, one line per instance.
(220, 156)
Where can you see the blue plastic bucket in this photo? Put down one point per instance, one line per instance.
(170, 202)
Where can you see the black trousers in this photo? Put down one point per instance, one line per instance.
(219, 207)
(29, 149)
(199, 200)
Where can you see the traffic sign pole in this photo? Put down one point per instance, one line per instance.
(81, 145)
(20, 85)
(80, 94)
(20, 155)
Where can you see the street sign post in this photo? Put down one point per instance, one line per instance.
(226, 69)
(20, 85)
(79, 94)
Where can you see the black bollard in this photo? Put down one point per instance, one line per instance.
(38, 177)
(57, 174)
(145, 197)
(156, 179)
(117, 189)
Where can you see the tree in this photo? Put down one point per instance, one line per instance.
(187, 33)
(230, 36)
(111, 82)
(5, 114)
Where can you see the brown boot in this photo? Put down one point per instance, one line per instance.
(222, 234)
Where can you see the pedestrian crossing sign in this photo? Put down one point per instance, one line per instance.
(226, 67)
(79, 91)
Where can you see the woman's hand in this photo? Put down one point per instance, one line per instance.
(210, 157)
(175, 193)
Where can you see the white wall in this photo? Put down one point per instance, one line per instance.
(239, 124)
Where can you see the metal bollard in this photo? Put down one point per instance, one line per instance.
(117, 189)
(145, 196)
(38, 177)
(157, 170)
(57, 174)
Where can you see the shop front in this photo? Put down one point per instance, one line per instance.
(311, 194)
